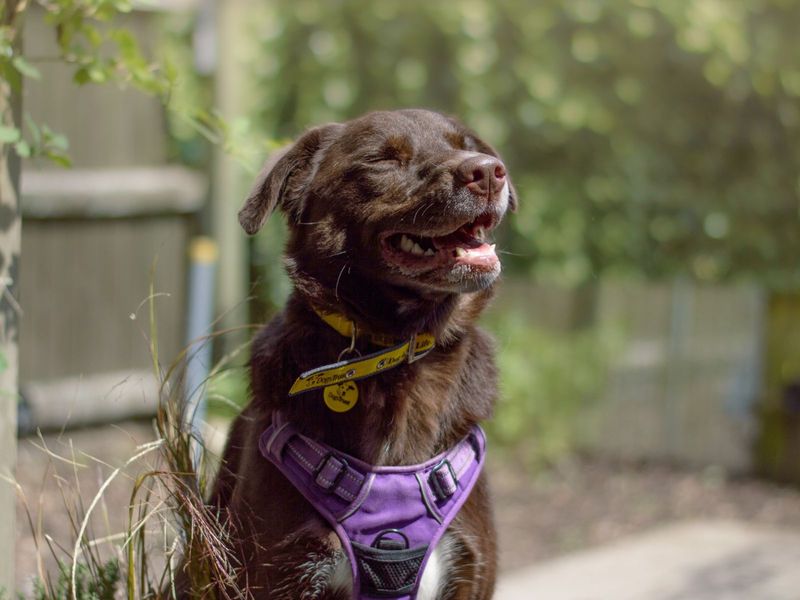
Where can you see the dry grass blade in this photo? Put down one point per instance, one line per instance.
(85, 523)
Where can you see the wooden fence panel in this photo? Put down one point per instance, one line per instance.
(82, 281)
(687, 384)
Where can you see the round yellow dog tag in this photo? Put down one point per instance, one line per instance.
(341, 397)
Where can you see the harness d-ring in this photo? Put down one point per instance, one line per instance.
(381, 537)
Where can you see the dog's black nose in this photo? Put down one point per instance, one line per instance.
(482, 175)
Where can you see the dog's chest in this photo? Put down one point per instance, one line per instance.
(434, 578)
(415, 418)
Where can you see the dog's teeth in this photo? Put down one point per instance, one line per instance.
(479, 232)
(417, 249)
(406, 244)
(429, 252)
(461, 252)
(492, 246)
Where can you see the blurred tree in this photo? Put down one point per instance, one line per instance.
(646, 138)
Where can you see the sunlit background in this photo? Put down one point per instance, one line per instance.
(648, 320)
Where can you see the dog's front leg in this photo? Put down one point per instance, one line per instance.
(471, 547)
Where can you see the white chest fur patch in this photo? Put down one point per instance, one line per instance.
(342, 580)
(433, 578)
(435, 574)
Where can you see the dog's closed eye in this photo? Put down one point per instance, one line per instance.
(396, 150)
(373, 159)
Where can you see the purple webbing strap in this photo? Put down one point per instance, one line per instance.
(360, 500)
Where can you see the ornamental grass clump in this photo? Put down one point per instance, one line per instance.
(173, 542)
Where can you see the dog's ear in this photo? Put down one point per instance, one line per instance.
(283, 178)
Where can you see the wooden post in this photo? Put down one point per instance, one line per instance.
(9, 332)
(10, 233)
(778, 447)
(230, 184)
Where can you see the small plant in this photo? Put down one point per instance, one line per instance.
(98, 584)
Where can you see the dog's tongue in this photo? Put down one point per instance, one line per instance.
(483, 255)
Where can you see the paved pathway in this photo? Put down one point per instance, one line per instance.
(699, 560)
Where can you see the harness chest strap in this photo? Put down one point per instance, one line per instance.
(389, 519)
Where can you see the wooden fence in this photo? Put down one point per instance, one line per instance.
(688, 383)
(95, 237)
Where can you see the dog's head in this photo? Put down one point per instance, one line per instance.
(404, 201)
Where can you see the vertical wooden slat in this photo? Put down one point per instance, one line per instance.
(10, 231)
(9, 338)
(233, 88)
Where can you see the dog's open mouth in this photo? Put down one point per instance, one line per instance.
(468, 245)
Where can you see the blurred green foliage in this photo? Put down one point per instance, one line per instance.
(645, 138)
(546, 379)
(94, 41)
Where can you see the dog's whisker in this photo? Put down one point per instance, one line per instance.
(430, 205)
(338, 279)
(425, 207)
(514, 253)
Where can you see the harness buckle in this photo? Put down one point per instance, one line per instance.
(330, 472)
(443, 480)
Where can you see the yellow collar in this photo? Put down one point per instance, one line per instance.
(347, 328)
(404, 352)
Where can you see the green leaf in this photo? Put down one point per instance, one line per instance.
(62, 160)
(81, 76)
(34, 129)
(9, 135)
(26, 68)
(128, 48)
(94, 37)
(123, 6)
(54, 140)
(9, 74)
(97, 73)
(23, 148)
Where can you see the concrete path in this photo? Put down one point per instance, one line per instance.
(700, 560)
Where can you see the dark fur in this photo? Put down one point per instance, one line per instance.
(340, 187)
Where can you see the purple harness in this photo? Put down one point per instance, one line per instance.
(389, 519)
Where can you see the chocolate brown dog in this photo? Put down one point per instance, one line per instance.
(390, 218)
